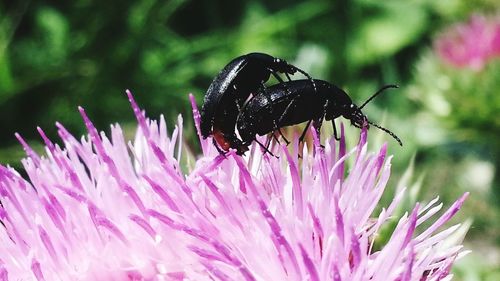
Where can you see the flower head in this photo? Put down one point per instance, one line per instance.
(470, 44)
(100, 208)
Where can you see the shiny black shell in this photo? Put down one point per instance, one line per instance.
(301, 102)
(243, 76)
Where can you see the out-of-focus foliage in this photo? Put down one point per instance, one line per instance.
(57, 55)
(463, 99)
(458, 81)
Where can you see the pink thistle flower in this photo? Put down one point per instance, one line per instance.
(470, 44)
(100, 208)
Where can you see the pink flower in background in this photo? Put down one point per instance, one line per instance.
(100, 208)
(470, 44)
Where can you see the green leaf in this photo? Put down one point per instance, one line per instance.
(395, 27)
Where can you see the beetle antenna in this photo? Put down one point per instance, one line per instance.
(379, 92)
(387, 131)
(308, 77)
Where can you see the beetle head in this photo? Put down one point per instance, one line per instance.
(353, 113)
(283, 66)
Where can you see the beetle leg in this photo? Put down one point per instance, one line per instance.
(286, 109)
(303, 135)
(319, 121)
(268, 143)
(275, 124)
(221, 152)
(278, 124)
(335, 135)
(265, 148)
(280, 80)
(317, 125)
(237, 101)
(281, 134)
(274, 137)
(288, 76)
(262, 88)
(270, 139)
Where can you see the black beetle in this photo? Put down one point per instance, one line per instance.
(294, 102)
(243, 76)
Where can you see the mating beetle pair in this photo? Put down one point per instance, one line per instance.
(242, 77)
(228, 104)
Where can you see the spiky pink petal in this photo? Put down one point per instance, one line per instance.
(100, 208)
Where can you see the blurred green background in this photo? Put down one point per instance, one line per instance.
(56, 55)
